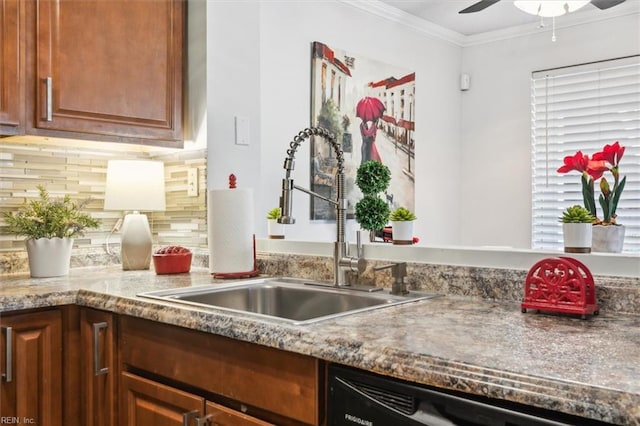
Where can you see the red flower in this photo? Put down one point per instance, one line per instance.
(596, 169)
(610, 153)
(578, 162)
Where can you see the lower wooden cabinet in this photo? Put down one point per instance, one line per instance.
(31, 366)
(258, 382)
(99, 374)
(146, 402)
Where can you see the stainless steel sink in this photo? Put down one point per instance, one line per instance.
(292, 300)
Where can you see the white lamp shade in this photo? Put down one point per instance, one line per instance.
(549, 8)
(136, 185)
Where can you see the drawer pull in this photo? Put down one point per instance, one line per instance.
(97, 371)
(7, 376)
(187, 417)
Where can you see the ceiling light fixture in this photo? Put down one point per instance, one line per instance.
(549, 9)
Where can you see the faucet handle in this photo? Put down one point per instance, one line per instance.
(398, 272)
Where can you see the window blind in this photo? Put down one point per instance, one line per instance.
(584, 108)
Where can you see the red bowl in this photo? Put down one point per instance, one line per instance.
(172, 263)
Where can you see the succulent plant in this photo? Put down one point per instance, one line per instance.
(576, 214)
(372, 177)
(48, 218)
(402, 214)
(372, 212)
(274, 213)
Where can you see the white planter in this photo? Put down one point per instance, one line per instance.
(49, 257)
(608, 239)
(577, 237)
(402, 232)
(275, 230)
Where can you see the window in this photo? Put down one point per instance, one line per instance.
(583, 108)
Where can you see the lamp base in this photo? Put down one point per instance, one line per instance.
(136, 242)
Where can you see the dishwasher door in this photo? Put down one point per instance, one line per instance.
(358, 398)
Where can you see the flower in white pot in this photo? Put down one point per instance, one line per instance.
(402, 225)
(49, 226)
(608, 235)
(275, 230)
(577, 226)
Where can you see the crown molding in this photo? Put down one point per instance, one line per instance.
(383, 10)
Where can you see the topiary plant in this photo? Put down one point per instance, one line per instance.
(47, 218)
(576, 214)
(372, 213)
(274, 213)
(402, 214)
(372, 177)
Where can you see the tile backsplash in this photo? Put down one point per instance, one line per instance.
(78, 168)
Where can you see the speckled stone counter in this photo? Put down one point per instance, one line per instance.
(590, 368)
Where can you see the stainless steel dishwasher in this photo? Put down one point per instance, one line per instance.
(358, 398)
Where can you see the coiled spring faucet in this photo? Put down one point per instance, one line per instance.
(342, 261)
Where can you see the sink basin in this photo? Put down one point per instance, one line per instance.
(291, 300)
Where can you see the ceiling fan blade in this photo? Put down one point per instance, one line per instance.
(606, 4)
(481, 5)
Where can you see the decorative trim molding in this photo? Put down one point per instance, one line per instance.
(383, 10)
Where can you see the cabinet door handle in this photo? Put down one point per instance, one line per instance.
(48, 85)
(7, 376)
(96, 349)
(187, 417)
(205, 421)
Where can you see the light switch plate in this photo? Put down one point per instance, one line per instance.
(242, 130)
(192, 182)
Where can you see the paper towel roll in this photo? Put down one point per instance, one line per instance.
(230, 231)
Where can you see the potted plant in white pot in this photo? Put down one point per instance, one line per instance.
(402, 225)
(49, 226)
(275, 230)
(608, 235)
(577, 226)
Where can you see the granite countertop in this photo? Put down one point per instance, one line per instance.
(589, 368)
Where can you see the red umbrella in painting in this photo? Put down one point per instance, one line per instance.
(369, 108)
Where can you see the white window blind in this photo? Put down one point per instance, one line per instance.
(584, 108)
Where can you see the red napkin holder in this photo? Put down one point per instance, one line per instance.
(560, 284)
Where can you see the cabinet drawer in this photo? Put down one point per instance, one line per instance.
(223, 416)
(280, 382)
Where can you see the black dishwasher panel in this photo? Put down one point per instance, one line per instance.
(358, 398)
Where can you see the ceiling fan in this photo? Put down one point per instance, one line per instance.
(483, 4)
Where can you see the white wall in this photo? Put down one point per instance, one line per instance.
(495, 195)
(274, 40)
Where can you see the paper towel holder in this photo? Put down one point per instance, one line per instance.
(247, 274)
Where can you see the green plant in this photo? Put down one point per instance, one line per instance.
(372, 213)
(372, 177)
(48, 218)
(274, 213)
(402, 214)
(576, 214)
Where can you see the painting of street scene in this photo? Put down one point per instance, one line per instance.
(370, 107)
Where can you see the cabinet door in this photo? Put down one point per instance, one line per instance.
(99, 376)
(145, 402)
(107, 67)
(31, 365)
(12, 18)
(224, 416)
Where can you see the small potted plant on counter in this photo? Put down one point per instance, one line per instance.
(49, 226)
(608, 235)
(372, 212)
(577, 227)
(402, 226)
(275, 230)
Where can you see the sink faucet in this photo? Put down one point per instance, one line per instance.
(342, 261)
(398, 272)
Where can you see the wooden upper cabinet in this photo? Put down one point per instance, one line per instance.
(107, 69)
(12, 20)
